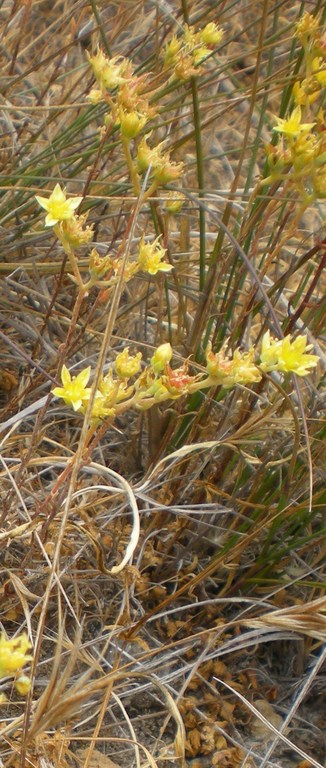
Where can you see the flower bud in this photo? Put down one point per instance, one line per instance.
(174, 202)
(161, 357)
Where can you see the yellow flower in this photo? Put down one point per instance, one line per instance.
(319, 70)
(74, 232)
(100, 408)
(200, 54)
(147, 156)
(13, 654)
(286, 355)
(244, 370)
(191, 38)
(171, 52)
(57, 206)
(150, 257)
(240, 369)
(211, 34)
(109, 73)
(131, 123)
(167, 171)
(95, 96)
(127, 365)
(293, 127)
(306, 92)
(74, 391)
(108, 387)
(307, 28)
(185, 67)
(23, 685)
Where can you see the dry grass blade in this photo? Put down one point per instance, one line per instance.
(309, 619)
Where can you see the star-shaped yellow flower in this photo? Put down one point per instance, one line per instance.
(286, 355)
(150, 257)
(74, 391)
(293, 127)
(13, 654)
(58, 207)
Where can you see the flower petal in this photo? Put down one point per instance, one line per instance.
(65, 376)
(42, 201)
(83, 376)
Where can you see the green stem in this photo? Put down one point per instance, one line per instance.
(200, 167)
(131, 166)
(72, 258)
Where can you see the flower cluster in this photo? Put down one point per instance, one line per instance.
(131, 99)
(129, 106)
(13, 656)
(126, 385)
(300, 155)
(281, 355)
(240, 369)
(185, 54)
(72, 233)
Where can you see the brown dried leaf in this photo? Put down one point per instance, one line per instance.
(193, 741)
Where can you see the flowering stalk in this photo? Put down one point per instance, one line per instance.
(119, 390)
(300, 155)
(131, 166)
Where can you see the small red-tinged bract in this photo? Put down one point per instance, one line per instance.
(74, 391)
(177, 380)
(13, 654)
(286, 355)
(58, 206)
